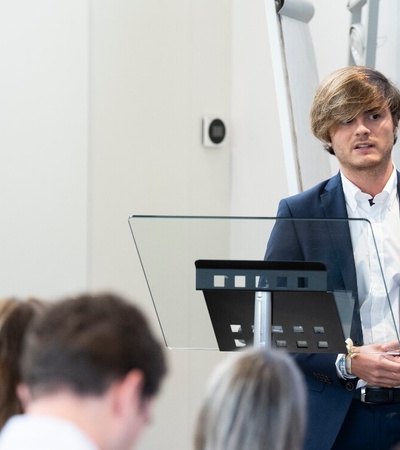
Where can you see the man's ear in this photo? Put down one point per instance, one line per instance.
(24, 395)
(128, 391)
(129, 410)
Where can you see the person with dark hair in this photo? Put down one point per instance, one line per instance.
(255, 400)
(90, 369)
(15, 316)
(353, 398)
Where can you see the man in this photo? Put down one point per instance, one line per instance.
(91, 368)
(355, 114)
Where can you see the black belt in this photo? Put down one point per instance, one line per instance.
(380, 396)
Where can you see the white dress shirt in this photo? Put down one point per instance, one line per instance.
(25, 431)
(377, 258)
(376, 248)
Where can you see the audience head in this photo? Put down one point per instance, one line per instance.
(255, 400)
(15, 316)
(91, 347)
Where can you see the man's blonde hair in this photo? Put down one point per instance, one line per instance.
(348, 92)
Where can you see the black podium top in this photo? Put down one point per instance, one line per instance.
(304, 317)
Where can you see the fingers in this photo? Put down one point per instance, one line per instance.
(377, 369)
(393, 346)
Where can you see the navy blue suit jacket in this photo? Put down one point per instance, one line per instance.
(329, 396)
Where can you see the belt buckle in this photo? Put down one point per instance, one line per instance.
(363, 394)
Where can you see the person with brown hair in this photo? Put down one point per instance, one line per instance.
(90, 370)
(15, 316)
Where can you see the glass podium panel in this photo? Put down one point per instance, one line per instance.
(212, 276)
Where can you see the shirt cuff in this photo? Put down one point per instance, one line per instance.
(341, 367)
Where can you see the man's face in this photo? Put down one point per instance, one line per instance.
(365, 142)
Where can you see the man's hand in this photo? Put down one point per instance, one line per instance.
(377, 364)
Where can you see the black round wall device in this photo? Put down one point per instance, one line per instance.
(216, 131)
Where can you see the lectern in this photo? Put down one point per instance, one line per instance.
(211, 288)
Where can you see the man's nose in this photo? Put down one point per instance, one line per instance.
(361, 128)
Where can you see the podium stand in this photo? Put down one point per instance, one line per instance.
(274, 304)
(211, 288)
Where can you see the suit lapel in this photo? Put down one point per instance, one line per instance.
(334, 205)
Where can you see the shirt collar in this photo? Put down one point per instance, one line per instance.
(352, 193)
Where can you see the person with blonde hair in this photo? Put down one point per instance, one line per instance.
(353, 397)
(255, 400)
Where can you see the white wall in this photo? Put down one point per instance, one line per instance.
(387, 49)
(155, 69)
(330, 28)
(256, 138)
(43, 146)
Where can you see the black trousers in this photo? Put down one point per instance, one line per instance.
(370, 427)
